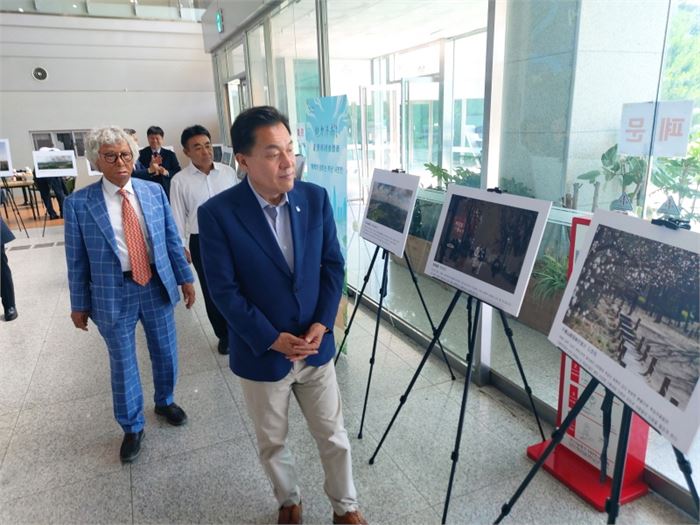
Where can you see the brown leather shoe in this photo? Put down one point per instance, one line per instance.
(353, 517)
(290, 515)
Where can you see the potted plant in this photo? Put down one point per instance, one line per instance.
(627, 171)
(544, 293)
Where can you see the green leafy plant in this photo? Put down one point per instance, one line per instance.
(462, 176)
(515, 187)
(680, 178)
(550, 276)
(627, 171)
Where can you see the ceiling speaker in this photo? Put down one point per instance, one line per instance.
(39, 73)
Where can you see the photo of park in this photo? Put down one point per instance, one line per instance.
(389, 205)
(5, 161)
(637, 300)
(486, 240)
(56, 161)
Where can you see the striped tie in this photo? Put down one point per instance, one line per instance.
(135, 243)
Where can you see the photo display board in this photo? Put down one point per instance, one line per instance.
(217, 151)
(390, 210)
(54, 164)
(630, 315)
(5, 159)
(226, 155)
(486, 243)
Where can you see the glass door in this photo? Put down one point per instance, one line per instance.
(237, 97)
(421, 109)
(380, 123)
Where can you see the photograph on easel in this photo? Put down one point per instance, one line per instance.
(631, 317)
(390, 209)
(54, 163)
(486, 244)
(5, 159)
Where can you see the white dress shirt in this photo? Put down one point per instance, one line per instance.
(279, 223)
(191, 188)
(114, 209)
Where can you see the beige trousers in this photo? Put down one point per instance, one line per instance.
(316, 391)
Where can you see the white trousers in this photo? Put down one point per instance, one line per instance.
(316, 391)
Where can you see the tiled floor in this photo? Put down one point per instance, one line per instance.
(59, 443)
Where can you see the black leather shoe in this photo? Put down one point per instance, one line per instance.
(11, 314)
(173, 414)
(222, 347)
(131, 446)
(53, 217)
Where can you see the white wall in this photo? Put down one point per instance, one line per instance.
(132, 73)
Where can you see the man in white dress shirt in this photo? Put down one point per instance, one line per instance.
(194, 185)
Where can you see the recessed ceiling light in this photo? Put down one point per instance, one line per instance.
(20, 10)
(75, 6)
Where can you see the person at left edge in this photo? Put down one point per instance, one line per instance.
(195, 184)
(125, 260)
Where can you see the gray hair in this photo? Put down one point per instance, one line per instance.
(109, 135)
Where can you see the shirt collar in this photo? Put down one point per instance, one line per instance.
(195, 169)
(112, 189)
(263, 203)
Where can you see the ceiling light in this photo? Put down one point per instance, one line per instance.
(20, 10)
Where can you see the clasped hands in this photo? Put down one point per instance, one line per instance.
(297, 348)
(155, 168)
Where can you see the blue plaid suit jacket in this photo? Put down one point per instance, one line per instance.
(95, 277)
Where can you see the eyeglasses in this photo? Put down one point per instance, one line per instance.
(111, 158)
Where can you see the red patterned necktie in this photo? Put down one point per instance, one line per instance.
(135, 243)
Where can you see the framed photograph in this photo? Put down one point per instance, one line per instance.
(5, 159)
(389, 210)
(486, 243)
(630, 316)
(226, 155)
(92, 170)
(217, 149)
(54, 163)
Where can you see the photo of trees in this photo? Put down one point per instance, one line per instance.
(638, 300)
(388, 205)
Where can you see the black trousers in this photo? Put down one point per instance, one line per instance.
(45, 185)
(215, 318)
(7, 289)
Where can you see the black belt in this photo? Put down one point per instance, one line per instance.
(129, 275)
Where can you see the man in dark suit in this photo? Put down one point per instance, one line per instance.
(161, 163)
(125, 261)
(272, 259)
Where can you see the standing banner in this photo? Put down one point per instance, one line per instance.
(327, 125)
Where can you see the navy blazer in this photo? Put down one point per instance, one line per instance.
(6, 234)
(252, 285)
(95, 277)
(170, 163)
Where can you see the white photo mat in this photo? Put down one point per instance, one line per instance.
(226, 155)
(488, 248)
(55, 163)
(621, 318)
(389, 210)
(5, 159)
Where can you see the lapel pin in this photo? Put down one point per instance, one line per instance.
(298, 209)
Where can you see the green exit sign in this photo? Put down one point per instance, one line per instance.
(219, 21)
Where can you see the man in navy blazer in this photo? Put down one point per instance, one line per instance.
(125, 260)
(273, 262)
(161, 163)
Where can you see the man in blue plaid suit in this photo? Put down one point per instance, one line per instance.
(112, 283)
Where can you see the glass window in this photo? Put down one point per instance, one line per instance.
(295, 60)
(397, 89)
(258, 66)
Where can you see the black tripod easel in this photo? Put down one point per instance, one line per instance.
(473, 312)
(14, 208)
(612, 505)
(382, 294)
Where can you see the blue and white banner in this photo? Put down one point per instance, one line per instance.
(327, 124)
